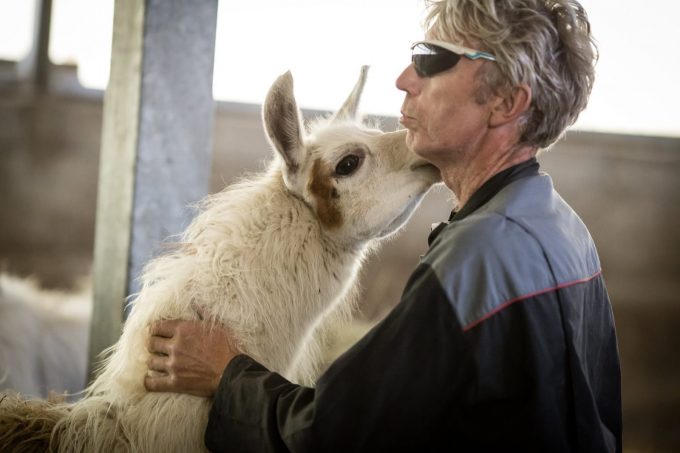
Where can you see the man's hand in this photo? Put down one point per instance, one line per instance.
(188, 357)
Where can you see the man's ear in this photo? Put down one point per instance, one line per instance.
(510, 106)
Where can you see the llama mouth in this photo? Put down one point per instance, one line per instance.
(422, 165)
(400, 220)
(428, 168)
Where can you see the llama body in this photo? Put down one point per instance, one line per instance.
(214, 273)
(274, 258)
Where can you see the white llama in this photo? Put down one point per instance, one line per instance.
(269, 257)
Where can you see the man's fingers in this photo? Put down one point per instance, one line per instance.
(158, 363)
(164, 328)
(159, 345)
(158, 383)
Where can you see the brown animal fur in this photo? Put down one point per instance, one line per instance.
(29, 423)
(323, 191)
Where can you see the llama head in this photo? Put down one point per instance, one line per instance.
(361, 183)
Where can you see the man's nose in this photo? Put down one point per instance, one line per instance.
(409, 81)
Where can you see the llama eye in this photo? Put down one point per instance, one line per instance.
(347, 165)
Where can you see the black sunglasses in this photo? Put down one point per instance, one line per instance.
(432, 57)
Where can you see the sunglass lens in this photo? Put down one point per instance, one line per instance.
(429, 59)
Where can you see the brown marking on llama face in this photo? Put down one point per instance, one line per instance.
(325, 195)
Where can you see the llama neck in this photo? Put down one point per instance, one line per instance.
(286, 267)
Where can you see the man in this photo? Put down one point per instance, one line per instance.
(504, 338)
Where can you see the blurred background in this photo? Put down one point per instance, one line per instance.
(618, 167)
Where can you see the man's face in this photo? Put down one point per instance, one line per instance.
(445, 122)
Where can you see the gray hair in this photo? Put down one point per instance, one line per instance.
(545, 44)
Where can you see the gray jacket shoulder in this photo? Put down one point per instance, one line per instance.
(524, 241)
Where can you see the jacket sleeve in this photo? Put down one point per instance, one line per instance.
(397, 383)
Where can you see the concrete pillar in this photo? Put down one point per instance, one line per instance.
(156, 144)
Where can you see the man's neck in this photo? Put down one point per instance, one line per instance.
(465, 178)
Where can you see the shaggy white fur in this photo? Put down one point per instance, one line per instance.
(274, 258)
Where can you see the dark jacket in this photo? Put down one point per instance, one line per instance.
(503, 340)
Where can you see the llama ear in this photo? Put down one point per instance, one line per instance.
(351, 105)
(282, 121)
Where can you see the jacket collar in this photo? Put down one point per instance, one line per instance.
(487, 191)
